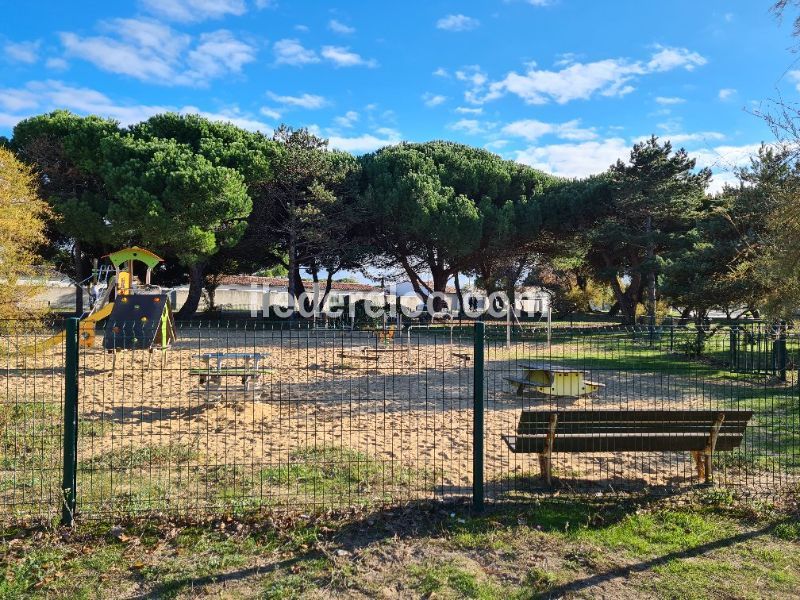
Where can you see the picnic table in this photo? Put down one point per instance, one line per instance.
(250, 373)
(553, 381)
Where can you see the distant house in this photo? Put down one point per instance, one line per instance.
(251, 292)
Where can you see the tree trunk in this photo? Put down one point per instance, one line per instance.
(440, 277)
(626, 299)
(189, 307)
(290, 275)
(459, 295)
(651, 274)
(299, 286)
(77, 258)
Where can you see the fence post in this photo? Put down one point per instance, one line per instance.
(70, 464)
(477, 417)
(779, 352)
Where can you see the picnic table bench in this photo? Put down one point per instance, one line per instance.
(250, 373)
(553, 381)
(701, 432)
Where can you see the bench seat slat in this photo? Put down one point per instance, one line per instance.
(621, 443)
(700, 427)
(637, 416)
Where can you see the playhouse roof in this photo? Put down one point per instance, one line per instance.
(134, 253)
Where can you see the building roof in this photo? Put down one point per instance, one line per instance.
(339, 286)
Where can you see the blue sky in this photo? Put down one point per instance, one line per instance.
(564, 85)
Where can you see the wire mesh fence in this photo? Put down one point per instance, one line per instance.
(635, 390)
(248, 415)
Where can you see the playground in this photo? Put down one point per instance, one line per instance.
(318, 421)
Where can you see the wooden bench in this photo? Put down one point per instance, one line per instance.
(701, 432)
(250, 373)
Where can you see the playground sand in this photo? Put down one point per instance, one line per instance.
(410, 413)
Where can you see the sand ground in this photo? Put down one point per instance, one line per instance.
(404, 405)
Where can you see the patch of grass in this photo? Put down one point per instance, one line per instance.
(59, 572)
(130, 458)
(297, 581)
(660, 532)
(449, 580)
(692, 579)
(539, 580)
(788, 530)
(338, 475)
(30, 435)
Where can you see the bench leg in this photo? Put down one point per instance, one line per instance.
(546, 468)
(700, 464)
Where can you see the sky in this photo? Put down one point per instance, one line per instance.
(566, 86)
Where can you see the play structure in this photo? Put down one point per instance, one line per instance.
(141, 315)
(137, 315)
(550, 381)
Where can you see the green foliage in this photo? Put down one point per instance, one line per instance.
(166, 197)
(64, 151)
(638, 215)
(721, 264)
(445, 207)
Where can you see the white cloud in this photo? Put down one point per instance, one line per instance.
(367, 142)
(667, 59)
(441, 72)
(8, 120)
(539, 2)
(700, 136)
(217, 54)
(339, 27)
(457, 23)
(726, 94)
(611, 77)
(292, 52)
(189, 11)
(270, 113)
(52, 94)
(57, 64)
(532, 130)
(307, 101)
(464, 110)
(724, 160)
(261, 4)
(22, 52)
(343, 57)
(41, 96)
(303, 28)
(470, 126)
(668, 100)
(348, 119)
(433, 99)
(153, 52)
(575, 160)
(15, 100)
(496, 145)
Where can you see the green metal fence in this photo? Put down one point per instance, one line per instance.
(248, 416)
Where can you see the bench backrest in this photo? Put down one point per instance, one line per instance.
(601, 422)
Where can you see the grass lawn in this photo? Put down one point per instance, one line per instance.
(710, 547)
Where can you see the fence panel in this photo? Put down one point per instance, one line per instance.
(31, 420)
(675, 369)
(337, 417)
(250, 415)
